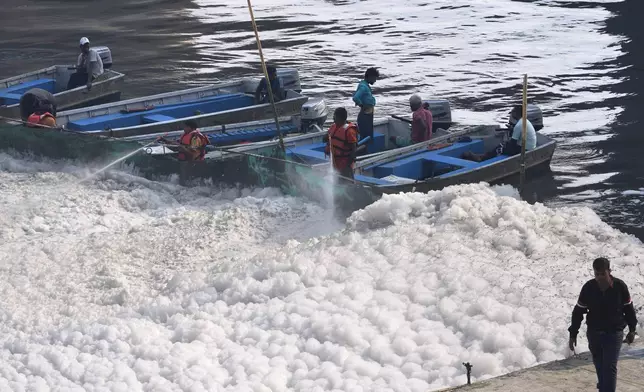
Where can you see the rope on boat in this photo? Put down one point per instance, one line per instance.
(249, 154)
(56, 128)
(23, 122)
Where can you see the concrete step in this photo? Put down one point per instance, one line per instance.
(574, 374)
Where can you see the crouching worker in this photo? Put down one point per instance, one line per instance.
(191, 147)
(513, 145)
(342, 142)
(41, 120)
(38, 108)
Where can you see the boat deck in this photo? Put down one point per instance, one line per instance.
(575, 374)
(162, 113)
(440, 163)
(11, 95)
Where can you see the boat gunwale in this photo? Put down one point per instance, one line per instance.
(169, 94)
(140, 129)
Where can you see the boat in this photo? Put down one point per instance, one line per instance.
(106, 88)
(156, 159)
(241, 163)
(227, 142)
(216, 104)
(422, 167)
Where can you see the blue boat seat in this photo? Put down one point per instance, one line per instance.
(372, 180)
(457, 149)
(477, 164)
(45, 84)
(421, 165)
(312, 153)
(152, 118)
(9, 98)
(248, 135)
(182, 110)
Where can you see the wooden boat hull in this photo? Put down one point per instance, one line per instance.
(106, 88)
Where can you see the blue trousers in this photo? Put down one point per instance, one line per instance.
(604, 348)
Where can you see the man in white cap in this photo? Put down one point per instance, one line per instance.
(88, 67)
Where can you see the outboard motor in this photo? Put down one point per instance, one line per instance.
(106, 55)
(290, 79)
(37, 100)
(441, 112)
(313, 112)
(534, 116)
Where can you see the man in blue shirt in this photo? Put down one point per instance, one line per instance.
(261, 94)
(364, 98)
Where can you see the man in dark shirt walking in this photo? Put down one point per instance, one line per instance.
(609, 306)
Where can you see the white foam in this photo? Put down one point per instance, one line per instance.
(119, 285)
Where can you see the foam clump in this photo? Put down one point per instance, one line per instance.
(216, 300)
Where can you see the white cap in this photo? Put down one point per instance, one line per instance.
(84, 41)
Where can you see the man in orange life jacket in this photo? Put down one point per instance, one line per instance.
(343, 140)
(191, 145)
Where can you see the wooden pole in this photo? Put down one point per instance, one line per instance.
(268, 82)
(524, 131)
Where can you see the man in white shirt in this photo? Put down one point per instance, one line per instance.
(531, 136)
(513, 145)
(89, 63)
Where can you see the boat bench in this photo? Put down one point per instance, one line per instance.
(9, 98)
(418, 165)
(153, 118)
(11, 95)
(177, 111)
(251, 135)
(372, 180)
(457, 149)
(477, 164)
(310, 153)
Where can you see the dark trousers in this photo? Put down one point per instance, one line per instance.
(365, 124)
(604, 348)
(77, 79)
(346, 172)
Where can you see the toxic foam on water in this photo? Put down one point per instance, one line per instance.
(120, 285)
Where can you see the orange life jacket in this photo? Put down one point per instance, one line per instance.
(339, 141)
(36, 118)
(186, 140)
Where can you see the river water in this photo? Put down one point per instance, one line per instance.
(579, 57)
(120, 283)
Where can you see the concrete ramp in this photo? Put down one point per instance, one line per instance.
(574, 374)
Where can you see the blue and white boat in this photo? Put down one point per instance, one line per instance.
(385, 168)
(216, 104)
(106, 88)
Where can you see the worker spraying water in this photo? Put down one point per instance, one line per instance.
(342, 143)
